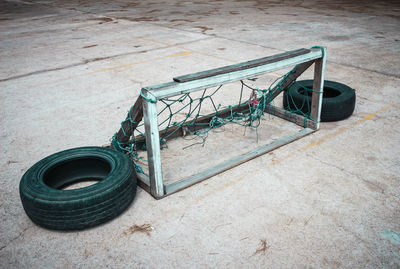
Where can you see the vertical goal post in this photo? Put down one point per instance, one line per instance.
(145, 108)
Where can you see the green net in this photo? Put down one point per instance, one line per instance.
(194, 115)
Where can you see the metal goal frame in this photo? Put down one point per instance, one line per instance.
(146, 108)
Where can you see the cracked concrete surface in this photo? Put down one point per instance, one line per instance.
(71, 69)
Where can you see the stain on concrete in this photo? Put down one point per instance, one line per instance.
(263, 247)
(102, 20)
(131, 4)
(87, 254)
(175, 12)
(185, 20)
(94, 59)
(140, 19)
(89, 46)
(21, 9)
(116, 10)
(144, 228)
(203, 28)
(336, 37)
(152, 11)
(392, 236)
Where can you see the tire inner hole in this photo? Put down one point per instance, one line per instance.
(328, 92)
(76, 173)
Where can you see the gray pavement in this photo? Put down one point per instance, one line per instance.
(71, 69)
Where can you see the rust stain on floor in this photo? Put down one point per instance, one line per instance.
(144, 228)
(263, 247)
(140, 19)
(203, 28)
(89, 46)
(102, 20)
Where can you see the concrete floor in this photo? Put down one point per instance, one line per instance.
(71, 69)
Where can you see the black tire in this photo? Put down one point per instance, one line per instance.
(48, 205)
(338, 100)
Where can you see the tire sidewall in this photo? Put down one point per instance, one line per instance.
(34, 176)
(118, 187)
(333, 109)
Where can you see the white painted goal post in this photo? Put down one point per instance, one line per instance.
(146, 107)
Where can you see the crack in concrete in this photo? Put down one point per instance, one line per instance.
(370, 252)
(366, 69)
(348, 172)
(328, 61)
(278, 49)
(382, 190)
(209, 36)
(216, 36)
(15, 238)
(97, 59)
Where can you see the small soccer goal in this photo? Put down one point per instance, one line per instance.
(227, 113)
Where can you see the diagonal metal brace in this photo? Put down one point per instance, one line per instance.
(135, 115)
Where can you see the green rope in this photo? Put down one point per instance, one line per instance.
(147, 98)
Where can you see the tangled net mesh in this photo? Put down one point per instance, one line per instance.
(184, 114)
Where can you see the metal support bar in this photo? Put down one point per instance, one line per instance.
(242, 66)
(153, 148)
(290, 79)
(318, 88)
(189, 181)
(144, 181)
(286, 115)
(175, 88)
(127, 127)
